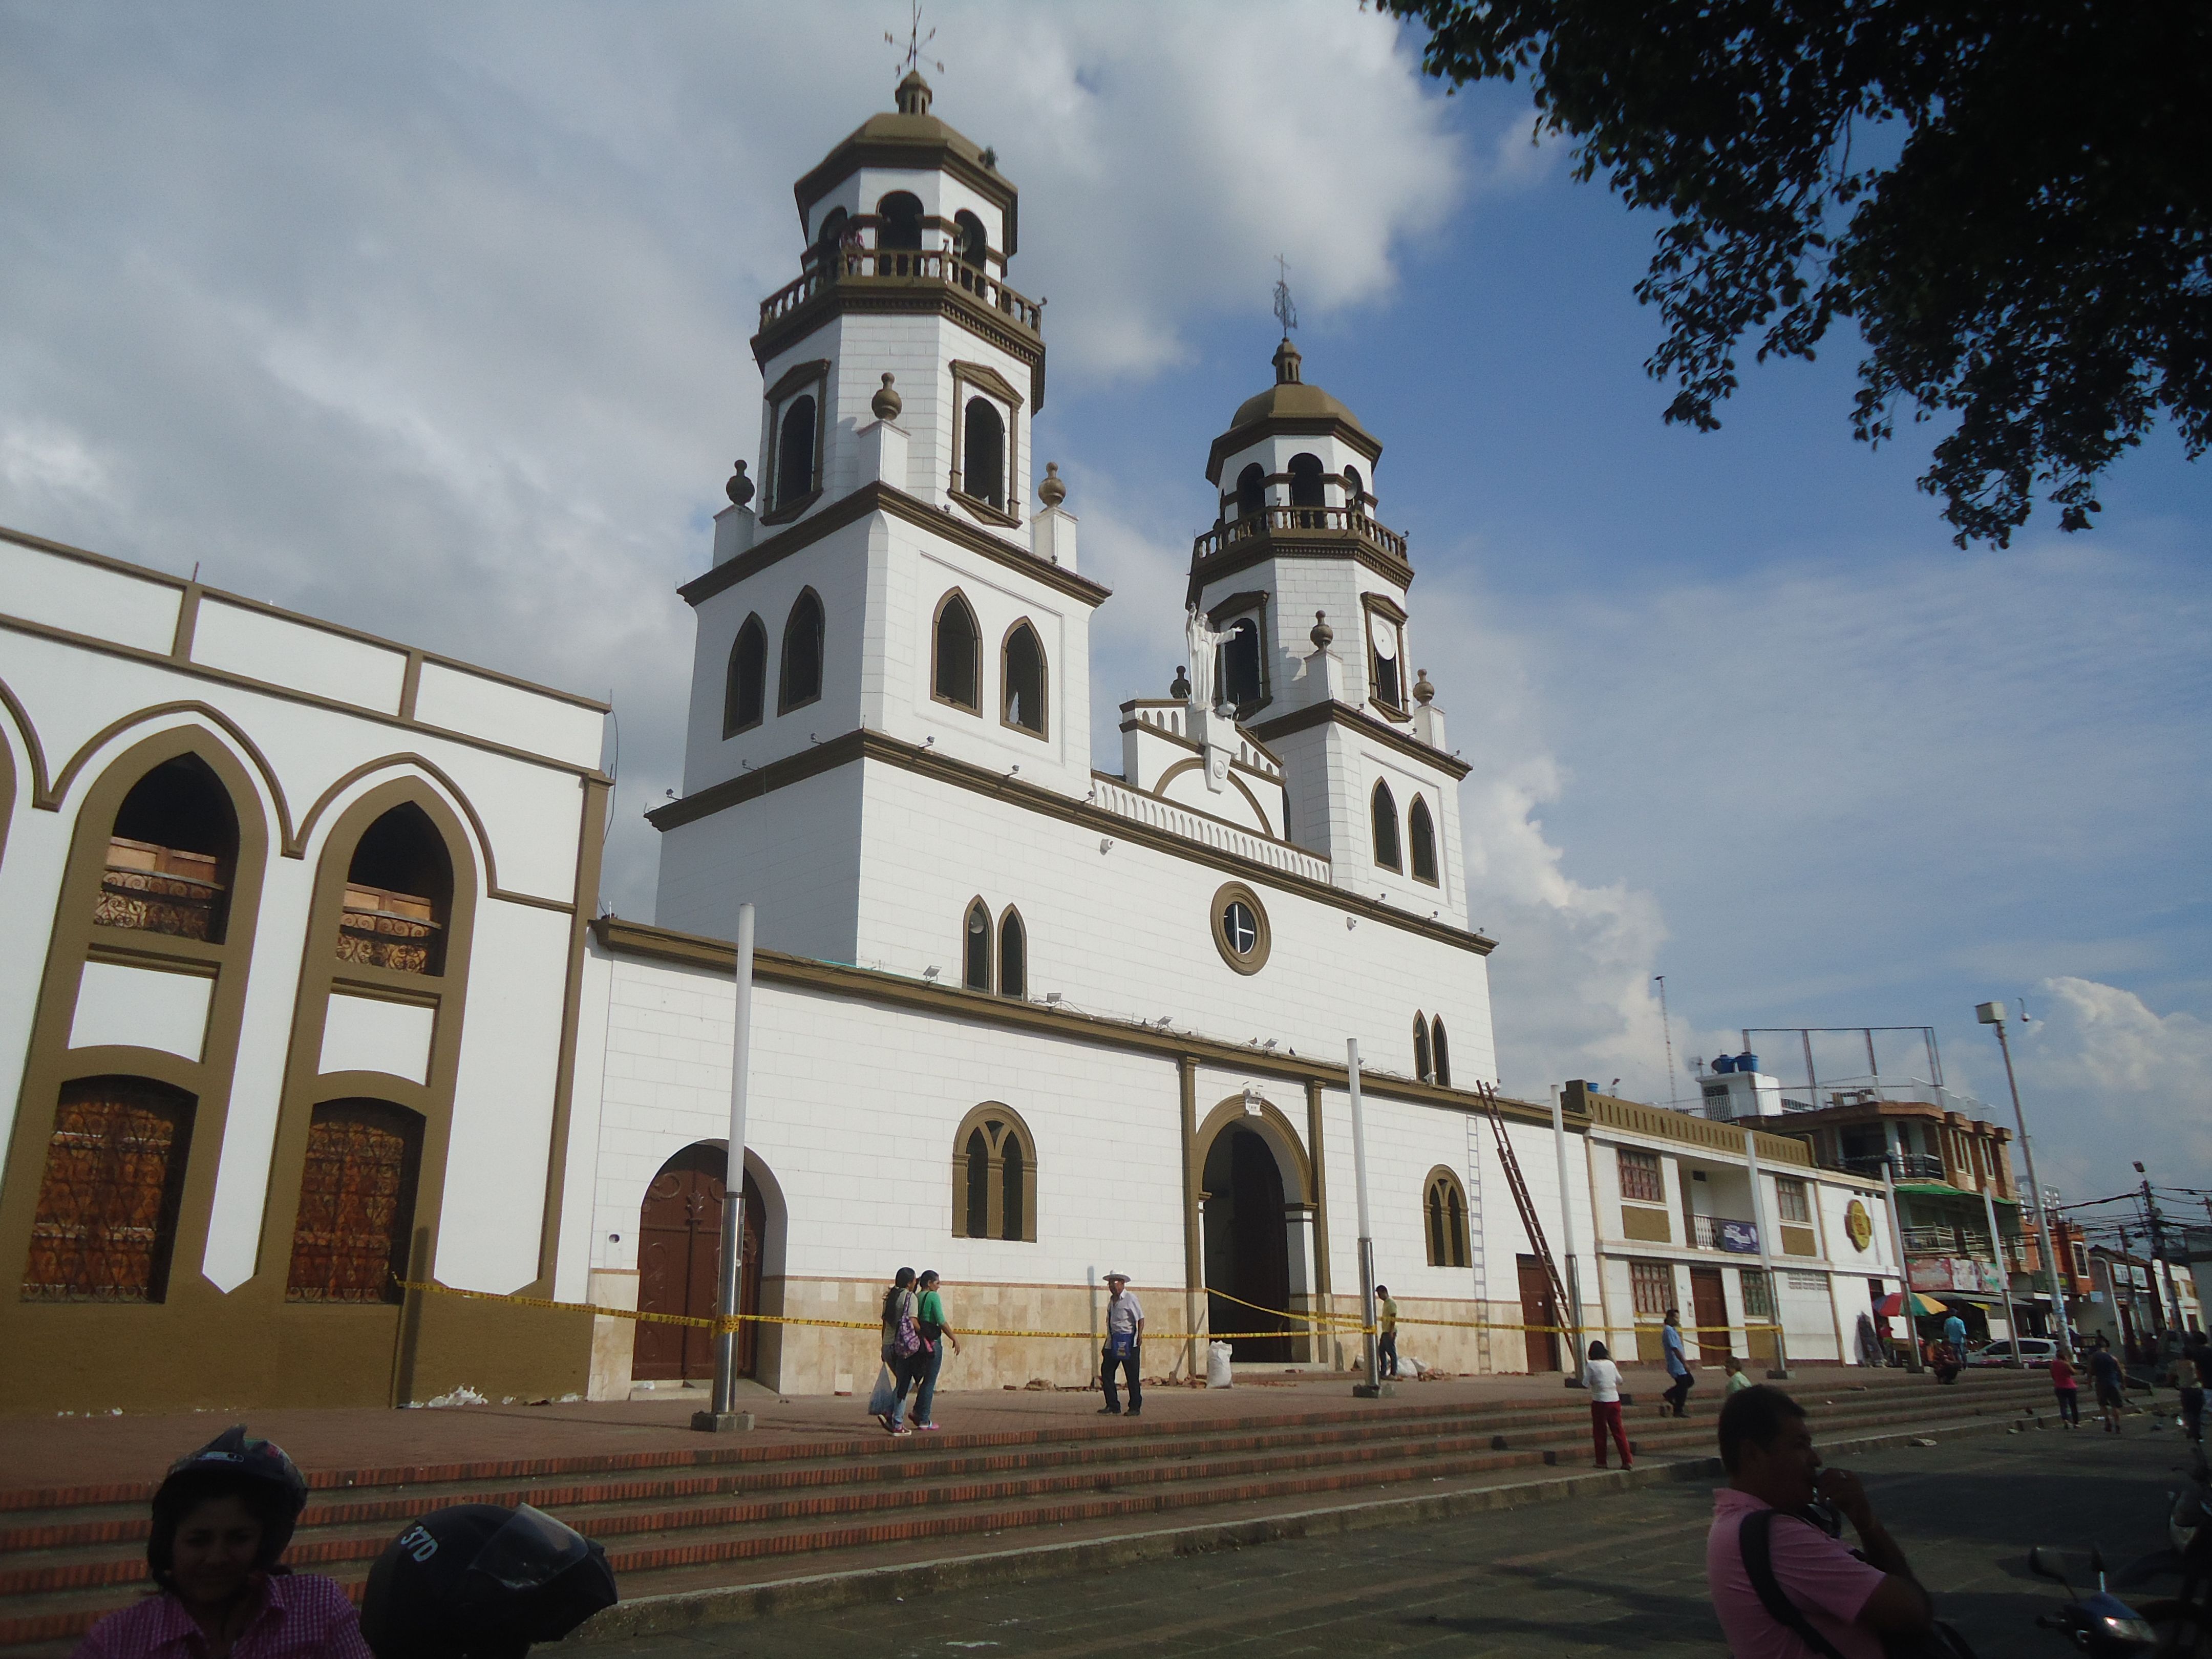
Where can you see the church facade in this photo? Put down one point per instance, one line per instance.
(1022, 1014)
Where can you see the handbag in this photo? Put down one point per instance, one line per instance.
(1941, 1640)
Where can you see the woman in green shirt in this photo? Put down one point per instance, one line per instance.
(935, 1333)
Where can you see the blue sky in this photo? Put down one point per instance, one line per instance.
(433, 319)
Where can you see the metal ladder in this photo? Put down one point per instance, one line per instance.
(1511, 1166)
(1474, 1246)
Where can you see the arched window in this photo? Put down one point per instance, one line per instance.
(745, 697)
(971, 242)
(106, 1215)
(826, 242)
(983, 453)
(1385, 814)
(1013, 955)
(800, 682)
(899, 226)
(1022, 670)
(356, 1213)
(956, 655)
(1353, 487)
(794, 452)
(172, 856)
(1440, 1050)
(994, 1175)
(1422, 1068)
(1444, 1213)
(1305, 481)
(1421, 835)
(398, 895)
(1239, 664)
(975, 948)
(1251, 490)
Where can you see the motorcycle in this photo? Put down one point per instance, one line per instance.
(2100, 1624)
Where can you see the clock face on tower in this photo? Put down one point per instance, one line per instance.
(1379, 629)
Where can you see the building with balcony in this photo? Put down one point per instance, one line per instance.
(1736, 1227)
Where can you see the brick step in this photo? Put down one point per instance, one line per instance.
(647, 1534)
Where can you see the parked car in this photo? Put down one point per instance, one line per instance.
(2035, 1351)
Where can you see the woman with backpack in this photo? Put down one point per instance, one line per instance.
(904, 1353)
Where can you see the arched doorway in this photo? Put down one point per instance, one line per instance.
(679, 1256)
(1247, 1242)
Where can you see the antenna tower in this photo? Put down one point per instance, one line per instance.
(1667, 1027)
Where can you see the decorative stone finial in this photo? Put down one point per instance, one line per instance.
(1052, 492)
(886, 402)
(1322, 635)
(1286, 363)
(739, 488)
(913, 95)
(1424, 693)
(1182, 686)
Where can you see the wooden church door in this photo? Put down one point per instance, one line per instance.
(679, 1265)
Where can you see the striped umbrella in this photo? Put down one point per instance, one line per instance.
(1893, 1305)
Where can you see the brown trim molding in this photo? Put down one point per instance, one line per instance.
(591, 846)
(1316, 1142)
(1357, 720)
(231, 728)
(1231, 1112)
(952, 595)
(1232, 892)
(1258, 549)
(1012, 1128)
(621, 937)
(33, 749)
(1043, 729)
(1238, 438)
(188, 622)
(918, 154)
(923, 298)
(878, 497)
(184, 584)
(797, 377)
(861, 743)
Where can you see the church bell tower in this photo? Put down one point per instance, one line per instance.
(1308, 592)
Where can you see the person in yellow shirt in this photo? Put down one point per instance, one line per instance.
(1386, 1332)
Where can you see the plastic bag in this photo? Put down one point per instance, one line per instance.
(886, 1395)
(1217, 1365)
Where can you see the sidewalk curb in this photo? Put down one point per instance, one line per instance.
(658, 1615)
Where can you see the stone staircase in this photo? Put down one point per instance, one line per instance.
(725, 1529)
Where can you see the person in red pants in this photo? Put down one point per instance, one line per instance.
(1603, 1379)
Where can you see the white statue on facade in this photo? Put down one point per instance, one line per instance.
(1205, 644)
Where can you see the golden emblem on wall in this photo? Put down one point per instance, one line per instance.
(1859, 1224)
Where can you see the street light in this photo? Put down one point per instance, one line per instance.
(1993, 1013)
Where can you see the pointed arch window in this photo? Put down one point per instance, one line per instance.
(356, 1216)
(983, 453)
(800, 681)
(398, 895)
(744, 696)
(1440, 1052)
(1251, 490)
(106, 1216)
(1013, 955)
(1022, 679)
(1422, 1068)
(994, 1175)
(956, 655)
(975, 948)
(1444, 1215)
(1383, 811)
(1421, 840)
(173, 854)
(795, 451)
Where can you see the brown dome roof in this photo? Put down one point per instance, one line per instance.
(1291, 406)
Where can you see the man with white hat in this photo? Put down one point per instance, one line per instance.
(1124, 1346)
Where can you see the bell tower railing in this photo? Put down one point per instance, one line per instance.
(902, 267)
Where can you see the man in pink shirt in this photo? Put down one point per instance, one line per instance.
(1844, 1601)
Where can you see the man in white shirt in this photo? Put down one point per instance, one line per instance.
(1124, 1346)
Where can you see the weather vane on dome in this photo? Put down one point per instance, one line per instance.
(915, 41)
(1284, 309)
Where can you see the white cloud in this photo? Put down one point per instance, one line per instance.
(2107, 1080)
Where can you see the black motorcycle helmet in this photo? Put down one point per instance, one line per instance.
(234, 1463)
(477, 1581)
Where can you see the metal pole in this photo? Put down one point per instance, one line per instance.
(724, 1415)
(1567, 1239)
(2035, 1188)
(1904, 1273)
(1781, 1371)
(2157, 1226)
(1372, 1387)
(2004, 1278)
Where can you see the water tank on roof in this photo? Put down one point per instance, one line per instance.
(1747, 1061)
(1723, 1064)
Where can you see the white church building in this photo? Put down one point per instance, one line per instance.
(325, 1003)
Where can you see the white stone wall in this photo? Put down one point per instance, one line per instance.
(529, 808)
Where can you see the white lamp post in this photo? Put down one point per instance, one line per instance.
(1993, 1013)
(725, 1414)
